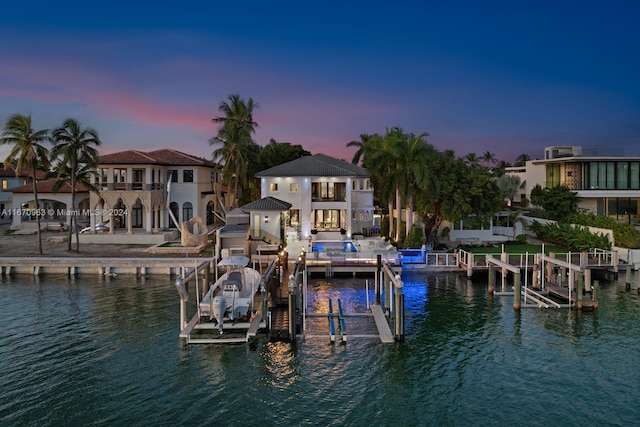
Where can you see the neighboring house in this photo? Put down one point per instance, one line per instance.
(53, 205)
(606, 184)
(325, 194)
(8, 180)
(133, 190)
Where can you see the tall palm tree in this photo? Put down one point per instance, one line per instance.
(74, 147)
(28, 152)
(373, 155)
(409, 153)
(362, 145)
(235, 135)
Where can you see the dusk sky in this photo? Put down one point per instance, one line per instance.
(506, 77)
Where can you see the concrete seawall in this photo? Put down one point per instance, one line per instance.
(99, 266)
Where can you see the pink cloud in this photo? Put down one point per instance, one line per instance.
(50, 82)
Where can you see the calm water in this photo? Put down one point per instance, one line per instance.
(95, 351)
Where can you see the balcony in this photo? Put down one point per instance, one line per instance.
(336, 198)
(129, 186)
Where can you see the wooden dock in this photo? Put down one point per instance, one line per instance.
(562, 292)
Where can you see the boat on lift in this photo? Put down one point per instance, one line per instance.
(231, 297)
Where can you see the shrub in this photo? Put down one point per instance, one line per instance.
(521, 238)
(624, 234)
(415, 238)
(573, 238)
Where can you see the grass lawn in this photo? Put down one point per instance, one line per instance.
(514, 248)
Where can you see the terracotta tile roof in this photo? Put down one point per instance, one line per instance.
(127, 157)
(164, 157)
(46, 186)
(178, 158)
(24, 173)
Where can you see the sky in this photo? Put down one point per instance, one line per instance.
(508, 77)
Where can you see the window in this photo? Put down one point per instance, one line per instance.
(119, 179)
(329, 191)
(173, 207)
(136, 215)
(553, 176)
(187, 211)
(172, 175)
(601, 175)
(5, 184)
(273, 187)
(293, 219)
(102, 176)
(187, 175)
(138, 179)
(293, 187)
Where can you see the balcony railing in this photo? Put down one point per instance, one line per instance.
(129, 186)
(336, 198)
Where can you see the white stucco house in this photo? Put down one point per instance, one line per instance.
(326, 195)
(607, 183)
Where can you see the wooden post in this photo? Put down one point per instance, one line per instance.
(579, 290)
(492, 278)
(587, 280)
(516, 291)
(596, 287)
(550, 268)
(292, 307)
(503, 258)
(535, 284)
(627, 280)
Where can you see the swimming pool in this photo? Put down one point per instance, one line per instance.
(333, 246)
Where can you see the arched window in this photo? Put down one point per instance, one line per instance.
(120, 214)
(174, 208)
(136, 215)
(187, 211)
(210, 217)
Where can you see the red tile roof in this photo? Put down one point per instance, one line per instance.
(165, 157)
(24, 173)
(46, 186)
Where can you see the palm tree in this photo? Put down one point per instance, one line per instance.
(362, 147)
(28, 152)
(75, 148)
(410, 153)
(489, 158)
(235, 136)
(522, 159)
(471, 159)
(372, 154)
(509, 185)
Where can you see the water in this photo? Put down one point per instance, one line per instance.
(96, 351)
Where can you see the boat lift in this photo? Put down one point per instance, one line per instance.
(246, 330)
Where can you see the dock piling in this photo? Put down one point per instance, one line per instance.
(516, 291)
